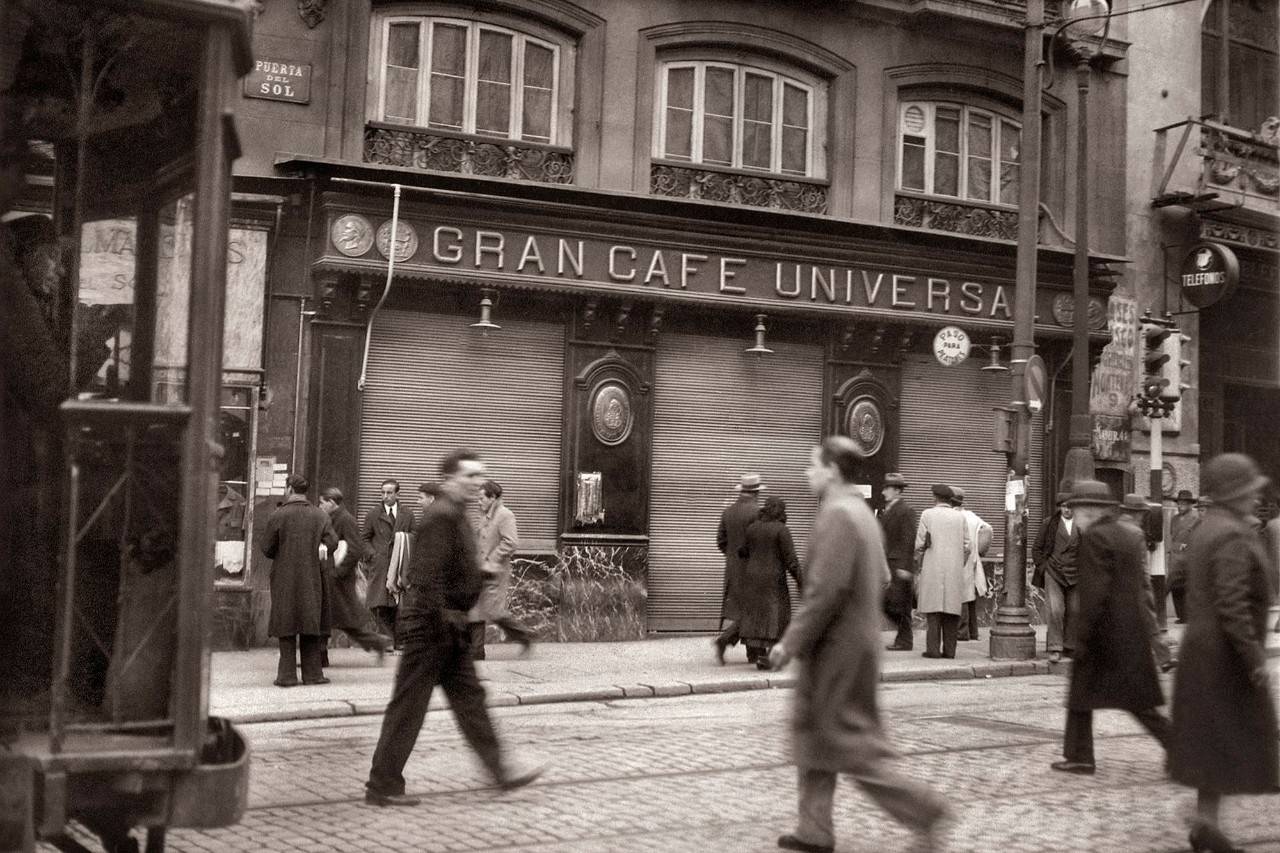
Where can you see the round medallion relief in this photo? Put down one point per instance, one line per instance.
(865, 425)
(611, 414)
(352, 235)
(406, 240)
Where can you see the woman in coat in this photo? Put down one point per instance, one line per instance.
(764, 602)
(1224, 719)
(347, 613)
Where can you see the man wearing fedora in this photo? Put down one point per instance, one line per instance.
(898, 521)
(731, 539)
(1135, 513)
(1181, 525)
(942, 551)
(980, 534)
(1054, 556)
(1113, 667)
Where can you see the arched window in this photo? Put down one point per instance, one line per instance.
(1239, 72)
(959, 151)
(736, 116)
(468, 77)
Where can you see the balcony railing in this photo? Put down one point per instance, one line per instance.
(734, 187)
(1236, 168)
(422, 149)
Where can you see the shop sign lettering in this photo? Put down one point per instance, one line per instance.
(738, 277)
(275, 80)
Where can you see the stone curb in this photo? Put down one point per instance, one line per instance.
(504, 699)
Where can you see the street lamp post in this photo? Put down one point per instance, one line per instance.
(1082, 18)
(1012, 637)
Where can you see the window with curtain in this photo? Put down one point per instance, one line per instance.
(724, 114)
(1239, 75)
(958, 151)
(468, 77)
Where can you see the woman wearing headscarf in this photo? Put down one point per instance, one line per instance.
(1224, 719)
(765, 602)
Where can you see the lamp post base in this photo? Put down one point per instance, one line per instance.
(1012, 637)
(1079, 462)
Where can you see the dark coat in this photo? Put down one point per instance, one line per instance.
(379, 533)
(764, 601)
(1224, 728)
(1062, 568)
(445, 562)
(731, 539)
(346, 608)
(1113, 666)
(292, 542)
(836, 637)
(899, 524)
(1180, 529)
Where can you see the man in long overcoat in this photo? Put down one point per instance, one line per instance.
(498, 537)
(942, 551)
(731, 539)
(381, 524)
(836, 637)
(1224, 716)
(898, 521)
(1181, 525)
(346, 611)
(1113, 666)
(299, 606)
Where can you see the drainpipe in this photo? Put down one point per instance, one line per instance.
(386, 290)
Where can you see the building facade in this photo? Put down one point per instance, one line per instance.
(629, 252)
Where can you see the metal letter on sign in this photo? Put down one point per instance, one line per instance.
(1035, 379)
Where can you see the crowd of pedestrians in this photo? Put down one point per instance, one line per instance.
(438, 577)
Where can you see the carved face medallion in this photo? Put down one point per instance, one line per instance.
(611, 414)
(352, 235)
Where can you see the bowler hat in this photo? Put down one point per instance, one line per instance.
(1229, 476)
(1185, 495)
(749, 483)
(895, 479)
(942, 491)
(957, 495)
(1134, 503)
(1090, 493)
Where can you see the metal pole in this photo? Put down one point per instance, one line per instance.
(1079, 461)
(1012, 637)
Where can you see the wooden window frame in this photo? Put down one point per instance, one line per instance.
(780, 81)
(998, 121)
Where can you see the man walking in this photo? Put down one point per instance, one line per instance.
(498, 538)
(980, 534)
(381, 524)
(346, 612)
(898, 522)
(299, 607)
(942, 551)
(442, 583)
(835, 635)
(1055, 560)
(1181, 525)
(1113, 667)
(731, 539)
(1134, 514)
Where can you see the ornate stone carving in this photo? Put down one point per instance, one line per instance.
(774, 193)
(1240, 235)
(655, 322)
(311, 12)
(1249, 165)
(419, 149)
(955, 217)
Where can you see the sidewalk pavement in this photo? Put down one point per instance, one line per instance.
(241, 687)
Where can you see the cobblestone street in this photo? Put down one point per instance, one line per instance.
(709, 773)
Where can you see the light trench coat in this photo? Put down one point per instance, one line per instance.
(498, 538)
(979, 540)
(942, 550)
(835, 636)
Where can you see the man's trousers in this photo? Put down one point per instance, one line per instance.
(1077, 740)
(312, 658)
(940, 634)
(907, 801)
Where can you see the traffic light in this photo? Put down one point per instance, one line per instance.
(1156, 360)
(1171, 367)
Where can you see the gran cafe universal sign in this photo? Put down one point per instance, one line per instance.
(426, 250)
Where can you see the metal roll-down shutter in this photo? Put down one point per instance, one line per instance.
(719, 413)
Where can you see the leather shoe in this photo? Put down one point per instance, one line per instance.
(373, 798)
(894, 647)
(790, 842)
(1080, 767)
(280, 682)
(510, 783)
(320, 680)
(930, 654)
